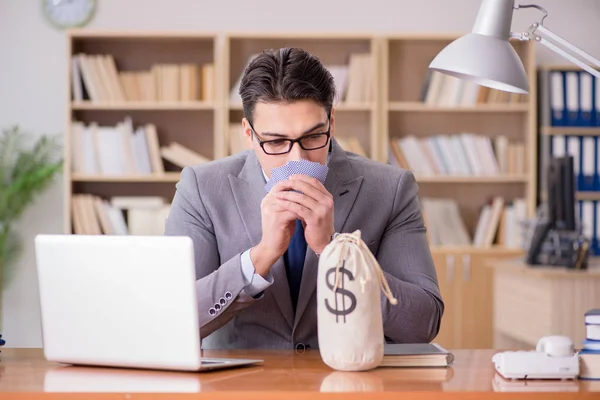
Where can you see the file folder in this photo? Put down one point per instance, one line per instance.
(586, 100)
(572, 99)
(557, 99)
(588, 176)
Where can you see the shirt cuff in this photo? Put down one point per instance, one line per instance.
(255, 284)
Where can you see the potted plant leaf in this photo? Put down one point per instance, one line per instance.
(28, 165)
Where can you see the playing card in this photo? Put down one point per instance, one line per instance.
(314, 169)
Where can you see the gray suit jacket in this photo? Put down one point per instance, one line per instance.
(218, 205)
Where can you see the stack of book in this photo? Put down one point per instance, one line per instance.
(352, 144)
(500, 222)
(353, 80)
(589, 356)
(462, 154)
(444, 90)
(119, 215)
(95, 77)
(124, 149)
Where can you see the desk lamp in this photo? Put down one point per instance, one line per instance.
(485, 56)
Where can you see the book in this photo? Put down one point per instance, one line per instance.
(416, 355)
(589, 344)
(592, 332)
(592, 317)
(589, 364)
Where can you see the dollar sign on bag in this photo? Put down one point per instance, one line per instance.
(340, 309)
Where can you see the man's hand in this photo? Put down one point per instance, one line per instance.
(314, 206)
(278, 226)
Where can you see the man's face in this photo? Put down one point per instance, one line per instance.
(288, 121)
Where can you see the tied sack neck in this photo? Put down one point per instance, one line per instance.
(354, 239)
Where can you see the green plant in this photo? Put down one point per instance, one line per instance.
(28, 165)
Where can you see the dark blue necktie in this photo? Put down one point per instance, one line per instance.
(294, 261)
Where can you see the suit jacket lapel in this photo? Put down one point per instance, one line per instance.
(344, 187)
(248, 192)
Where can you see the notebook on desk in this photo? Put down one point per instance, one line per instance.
(416, 355)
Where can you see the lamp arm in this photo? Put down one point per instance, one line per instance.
(570, 57)
(569, 47)
(538, 32)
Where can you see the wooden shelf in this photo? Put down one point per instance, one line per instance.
(357, 117)
(561, 67)
(571, 130)
(475, 250)
(422, 107)
(473, 179)
(135, 105)
(86, 33)
(593, 196)
(174, 177)
(166, 177)
(395, 110)
(337, 107)
(354, 107)
(405, 81)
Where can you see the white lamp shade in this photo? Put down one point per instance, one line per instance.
(485, 60)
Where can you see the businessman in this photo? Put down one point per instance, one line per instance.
(257, 252)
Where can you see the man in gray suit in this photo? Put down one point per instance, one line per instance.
(257, 252)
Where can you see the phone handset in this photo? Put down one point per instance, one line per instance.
(556, 346)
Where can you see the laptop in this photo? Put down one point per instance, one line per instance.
(121, 301)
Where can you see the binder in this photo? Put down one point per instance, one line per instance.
(572, 98)
(596, 90)
(588, 176)
(596, 236)
(558, 146)
(574, 150)
(557, 99)
(586, 99)
(597, 168)
(588, 228)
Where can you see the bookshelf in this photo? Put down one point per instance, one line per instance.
(447, 122)
(384, 86)
(385, 97)
(352, 59)
(430, 113)
(570, 125)
(131, 95)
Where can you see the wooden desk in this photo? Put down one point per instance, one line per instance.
(284, 375)
(531, 302)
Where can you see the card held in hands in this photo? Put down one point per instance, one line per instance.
(310, 168)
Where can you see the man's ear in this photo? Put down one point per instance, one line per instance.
(247, 131)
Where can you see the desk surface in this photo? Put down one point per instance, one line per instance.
(284, 375)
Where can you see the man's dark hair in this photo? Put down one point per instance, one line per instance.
(286, 75)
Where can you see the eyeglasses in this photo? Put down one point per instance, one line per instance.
(276, 147)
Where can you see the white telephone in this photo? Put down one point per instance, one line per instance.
(554, 358)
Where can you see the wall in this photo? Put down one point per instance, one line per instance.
(33, 87)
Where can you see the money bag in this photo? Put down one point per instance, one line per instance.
(349, 314)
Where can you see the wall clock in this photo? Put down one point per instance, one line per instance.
(69, 13)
